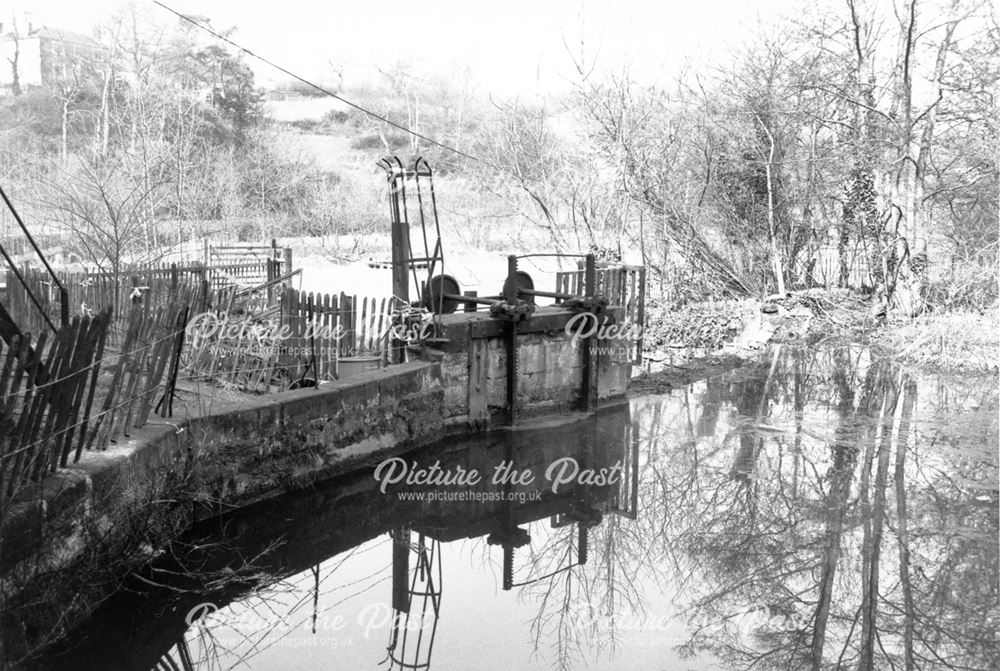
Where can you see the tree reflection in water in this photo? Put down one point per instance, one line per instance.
(816, 511)
(819, 510)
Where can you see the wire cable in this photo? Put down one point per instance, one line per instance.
(305, 81)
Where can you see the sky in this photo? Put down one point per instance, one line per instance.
(510, 48)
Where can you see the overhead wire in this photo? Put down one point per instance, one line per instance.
(360, 108)
(518, 179)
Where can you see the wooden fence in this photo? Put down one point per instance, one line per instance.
(319, 330)
(96, 378)
(624, 286)
(249, 261)
(90, 293)
(300, 336)
(243, 274)
(63, 393)
(336, 326)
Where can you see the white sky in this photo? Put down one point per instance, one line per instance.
(513, 47)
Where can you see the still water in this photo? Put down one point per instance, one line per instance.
(815, 510)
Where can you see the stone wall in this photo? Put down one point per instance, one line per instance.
(244, 455)
(86, 525)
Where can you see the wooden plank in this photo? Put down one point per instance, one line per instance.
(300, 309)
(163, 336)
(335, 324)
(334, 354)
(309, 342)
(89, 333)
(330, 342)
(22, 354)
(11, 373)
(381, 341)
(105, 320)
(100, 433)
(122, 416)
(345, 324)
(355, 325)
(362, 326)
(478, 383)
(49, 409)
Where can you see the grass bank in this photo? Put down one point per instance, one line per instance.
(961, 341)
(693, 341)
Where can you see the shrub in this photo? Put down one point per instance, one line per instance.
(968, 284)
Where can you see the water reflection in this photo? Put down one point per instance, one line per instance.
(838, 518)
(416, 601)
(817, 510)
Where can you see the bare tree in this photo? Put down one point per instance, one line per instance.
(14, 60)
(103, 210)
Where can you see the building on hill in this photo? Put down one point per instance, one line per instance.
(40, 56)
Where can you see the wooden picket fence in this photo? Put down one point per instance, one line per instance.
(237, 252)
(63, 393)
(342, 327)
(142, 375)
(301, 335)
(44, 384)
(624, 286)
(242, 274)
(90, 293)
(18, 302)
(321, 329)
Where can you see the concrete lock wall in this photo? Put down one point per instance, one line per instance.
(114, 506)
